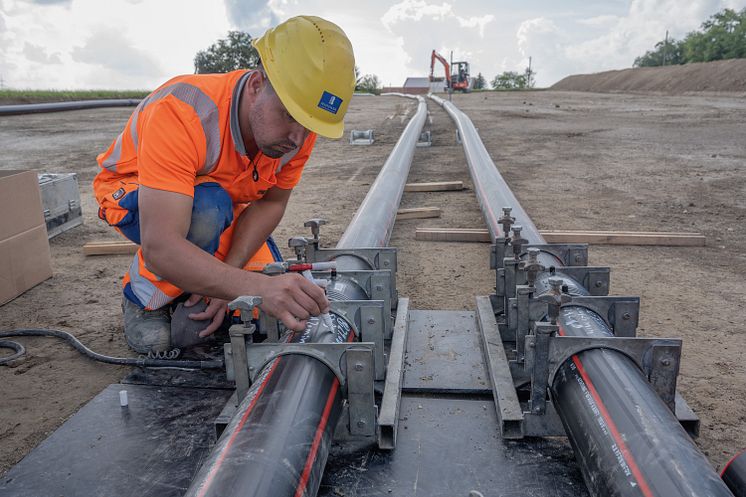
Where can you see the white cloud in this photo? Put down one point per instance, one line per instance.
(562, 47)
(95, 44)
(60, 43)
(110, 50)
(36, 53)
(252, 16)
(422, 27)
(417, 10)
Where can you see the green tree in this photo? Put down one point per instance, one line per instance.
(664, 54)
(479, 82)
(722, 36)
(368, 84)
(509, 80)
(227, 54)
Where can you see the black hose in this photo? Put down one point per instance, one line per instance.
(19, 109)
(145, 362)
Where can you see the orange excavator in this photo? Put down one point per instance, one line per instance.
(457, 73)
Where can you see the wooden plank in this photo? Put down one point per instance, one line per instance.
(418, 213)
(670, 239)
(601, 238)
(452, 235)
(439, 186)
(110, 247)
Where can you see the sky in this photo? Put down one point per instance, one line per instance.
(139, 44)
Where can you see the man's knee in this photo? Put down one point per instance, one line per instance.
(212, 213)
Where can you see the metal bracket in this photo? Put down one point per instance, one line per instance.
(657, 358)
(369, 318)
(425, 139)
(497, 252)
(352, 363)
(361, 137)
(374, 258)
(595, 279)
(360, 392)
(378, 285)
(570, 254)
(388, 420)
(621, 314)
(269, 326)
(521, 311)
(574, 254)
(330, 354)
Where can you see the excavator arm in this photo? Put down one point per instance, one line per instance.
(436, 56)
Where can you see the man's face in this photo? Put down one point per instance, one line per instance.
(275, 131)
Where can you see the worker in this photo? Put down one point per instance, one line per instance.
(202, 173)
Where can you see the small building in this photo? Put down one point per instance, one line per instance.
(416, 85)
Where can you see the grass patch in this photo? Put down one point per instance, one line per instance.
(8, 97)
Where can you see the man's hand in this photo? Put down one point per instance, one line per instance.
(215, 311)
(292, 299)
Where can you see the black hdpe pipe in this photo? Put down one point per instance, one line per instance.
(625, 438)
(734, 475)
(14, 110)
(277, 443)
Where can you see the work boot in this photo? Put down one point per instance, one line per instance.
(146, 331)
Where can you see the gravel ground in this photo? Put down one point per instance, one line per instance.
(574, 160)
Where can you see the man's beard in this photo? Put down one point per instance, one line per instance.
(276, 151)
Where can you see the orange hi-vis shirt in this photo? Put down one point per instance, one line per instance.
(185, 133)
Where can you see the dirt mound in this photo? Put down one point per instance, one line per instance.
(719, 76)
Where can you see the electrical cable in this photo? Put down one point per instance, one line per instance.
(142, 361)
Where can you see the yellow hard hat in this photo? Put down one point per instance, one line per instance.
(310, 63)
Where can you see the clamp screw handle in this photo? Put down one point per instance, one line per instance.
(315, 224)
(554, 298)
(506, 220)
(516, 241)
(556, 284)
(298, 243)
(532, 266)
(246, 304)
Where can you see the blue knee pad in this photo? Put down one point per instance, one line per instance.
(212, 213)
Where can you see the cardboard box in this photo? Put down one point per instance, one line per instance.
(25, 259)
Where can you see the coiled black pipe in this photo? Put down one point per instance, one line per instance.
(14, 110)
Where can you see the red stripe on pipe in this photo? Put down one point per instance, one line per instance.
(628, 458)
(319, 432)
(722, 473)
(219, 462)
(317, 440)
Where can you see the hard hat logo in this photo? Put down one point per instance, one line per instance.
(304, 57)
(330, 102)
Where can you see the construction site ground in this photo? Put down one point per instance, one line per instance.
(576, 161)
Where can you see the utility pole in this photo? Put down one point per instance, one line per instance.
(665, 48)
(450, 79)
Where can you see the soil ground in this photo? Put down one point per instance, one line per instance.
(575, 161)
(712, 77)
